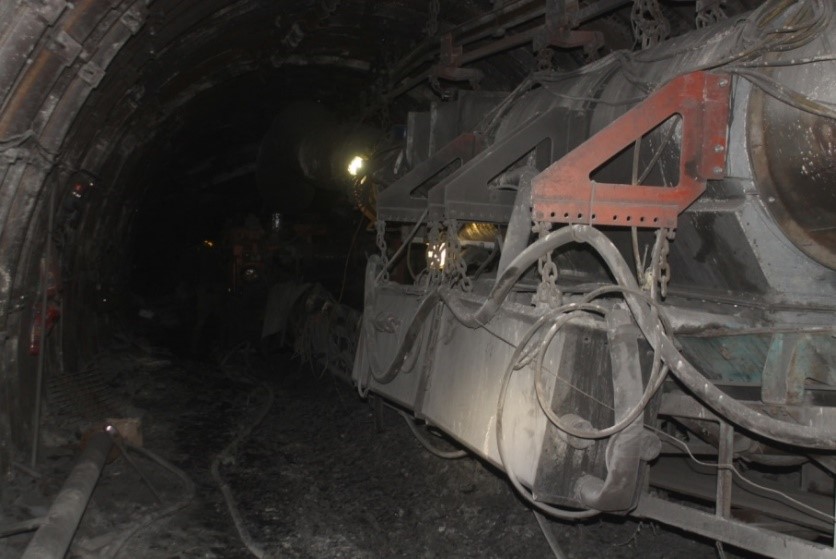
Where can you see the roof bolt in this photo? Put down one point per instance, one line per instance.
(719, 148)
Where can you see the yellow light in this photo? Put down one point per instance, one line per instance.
(208, 244)
(355, 165)
(437, 256)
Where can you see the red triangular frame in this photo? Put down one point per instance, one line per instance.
(564, 193)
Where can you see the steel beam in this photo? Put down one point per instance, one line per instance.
(732, 532)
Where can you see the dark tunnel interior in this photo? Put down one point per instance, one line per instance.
(173, 167)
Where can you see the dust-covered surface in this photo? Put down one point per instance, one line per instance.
(325, 474)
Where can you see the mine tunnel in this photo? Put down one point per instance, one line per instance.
(275, 276)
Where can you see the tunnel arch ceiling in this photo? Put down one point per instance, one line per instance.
(105, 87)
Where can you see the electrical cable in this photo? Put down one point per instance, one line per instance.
(446, 454)
(786, 95)
(657, 377)
(641, 406)
(739, 413)
(550, 537)
(113, 549)
(224, 456)
(658, 153)
(403, 246)
(487, 261)
(348, 260)
(748, 418)
(503, 391)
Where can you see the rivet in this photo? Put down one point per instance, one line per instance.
(724, 82)
(718, 170)
(719, 148)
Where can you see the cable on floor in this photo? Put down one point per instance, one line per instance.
(225, 456)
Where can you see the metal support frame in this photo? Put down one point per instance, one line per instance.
(466, 195)
(725, 455)
(565, 193)
(733, 532)
(397, 203)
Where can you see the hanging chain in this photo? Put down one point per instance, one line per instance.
(380, 225)
(456, 267)
(664, 266)
(432, 17)
(650, 26)
(547, 292)
(709, 12)
(434, 254)
(545, 59)
(446, 93)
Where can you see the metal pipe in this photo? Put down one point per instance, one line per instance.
(53, 538)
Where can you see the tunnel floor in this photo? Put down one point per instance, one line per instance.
(324, 474)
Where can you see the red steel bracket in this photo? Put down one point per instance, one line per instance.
(564, 192)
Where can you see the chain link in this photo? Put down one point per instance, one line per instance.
(547, 292)
(434, 249)
(709, 12)
(545, 59)
(456, 267)
(445, 93)
(380, 226)
(650, 26)
(664, 265)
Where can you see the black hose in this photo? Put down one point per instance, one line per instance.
(737, 412)
(446, 454)
(726, 406)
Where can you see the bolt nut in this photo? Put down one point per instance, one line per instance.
(724, 82)
(718, 171)
(719, 148)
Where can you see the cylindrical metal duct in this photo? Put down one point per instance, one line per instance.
(791, 151)
(53, 538)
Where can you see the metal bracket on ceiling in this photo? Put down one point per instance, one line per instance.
(565, 193)
(560, 31)
(48, 10)
(65, 46)
(133, 19)
(399, 202)
(91, 73)
(449, 67)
